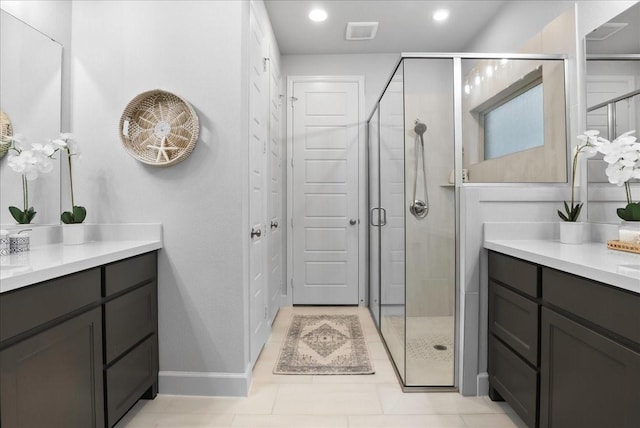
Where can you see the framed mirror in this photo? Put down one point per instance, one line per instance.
(613, 103)
(30, 97)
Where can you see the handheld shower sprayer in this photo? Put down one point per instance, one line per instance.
(419, 208)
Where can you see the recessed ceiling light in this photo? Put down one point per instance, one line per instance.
(440, 15)
(317, 15)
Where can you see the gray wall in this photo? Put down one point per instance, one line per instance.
(196, 50)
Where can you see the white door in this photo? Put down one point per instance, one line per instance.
(275, 189)
(258, 105)
(325, 139)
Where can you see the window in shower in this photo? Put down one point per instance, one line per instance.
(515, 125)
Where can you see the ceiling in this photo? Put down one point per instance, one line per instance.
(625, 41)
(405, 25)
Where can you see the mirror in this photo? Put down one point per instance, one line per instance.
(613, 103)
(30, 96)
(514, 120)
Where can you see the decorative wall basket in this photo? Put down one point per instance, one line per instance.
(5, 131)
(159, 128)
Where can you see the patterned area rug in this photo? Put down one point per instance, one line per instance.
(324, 345)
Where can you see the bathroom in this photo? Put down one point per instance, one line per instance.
(202, 51)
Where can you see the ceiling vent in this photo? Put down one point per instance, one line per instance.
(606, 30)
(361, 30)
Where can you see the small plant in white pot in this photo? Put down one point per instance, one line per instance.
(73, 232)
(570, 228)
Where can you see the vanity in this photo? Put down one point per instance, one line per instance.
(564, 332)
(78, 334)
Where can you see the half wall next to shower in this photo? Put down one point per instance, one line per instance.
(412, 251)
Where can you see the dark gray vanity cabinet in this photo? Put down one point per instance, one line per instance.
(80, 350)
(514, 291)
(51, 354)
(584, 368)
(590, 354)
(130, 333)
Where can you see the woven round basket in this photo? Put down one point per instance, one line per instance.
(159, 128)
(5, 131)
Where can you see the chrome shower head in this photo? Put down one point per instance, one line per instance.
(420, 128)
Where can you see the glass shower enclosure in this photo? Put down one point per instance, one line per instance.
(444, 120)
(412, 221)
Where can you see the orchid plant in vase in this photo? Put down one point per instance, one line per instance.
(623, 157)
(68, 145)
(589, 147)
(29, 160)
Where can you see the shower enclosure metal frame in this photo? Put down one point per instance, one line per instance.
(460, 262)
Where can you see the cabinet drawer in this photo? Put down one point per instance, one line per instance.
(32, 306)
(514, 319)
(613, 309)
(128, 319)
(130, 377)
(512, 378)
(124, 274)
(516, 273)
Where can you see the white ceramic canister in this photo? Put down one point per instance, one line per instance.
(4, 243)
(19, 242)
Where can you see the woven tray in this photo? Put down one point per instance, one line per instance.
(624, 246)
(5, 131)
(159, 128)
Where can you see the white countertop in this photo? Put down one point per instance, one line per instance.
(591, 260)
(49, 259)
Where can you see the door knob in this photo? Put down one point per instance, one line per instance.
(274, 225)
(255, 233)
(353, 221)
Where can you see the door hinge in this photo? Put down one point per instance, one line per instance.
(265, 60)
(264, 147)
(292, 283)
(266, 313)
(292, 223)
(291, 162)
(293, 99)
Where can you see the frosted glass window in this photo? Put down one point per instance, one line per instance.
(515, 125)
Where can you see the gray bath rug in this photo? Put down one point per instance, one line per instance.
(324, 345)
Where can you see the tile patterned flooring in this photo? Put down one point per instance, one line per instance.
(297, 401)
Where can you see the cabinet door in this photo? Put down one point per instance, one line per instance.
(587, 380)
(54, 379)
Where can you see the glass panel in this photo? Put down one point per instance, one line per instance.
(514, 126)
(490, 85)
(374, 217)
(392, 290)
(30, 95)
(430, 240)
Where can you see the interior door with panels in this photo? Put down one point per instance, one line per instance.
(325, 192)
(258, 136)
(275, 184)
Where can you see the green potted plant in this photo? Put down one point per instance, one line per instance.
(570, 228)
(73, 231)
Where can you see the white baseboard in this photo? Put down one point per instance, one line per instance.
(483, 383)
(205, 383)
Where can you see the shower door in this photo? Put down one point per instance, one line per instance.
(412, 275)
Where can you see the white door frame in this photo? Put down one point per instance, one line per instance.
(363, 213)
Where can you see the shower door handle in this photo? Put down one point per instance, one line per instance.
(381, 218)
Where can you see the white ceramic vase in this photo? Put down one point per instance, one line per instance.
(74, 234)
(571, 232)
